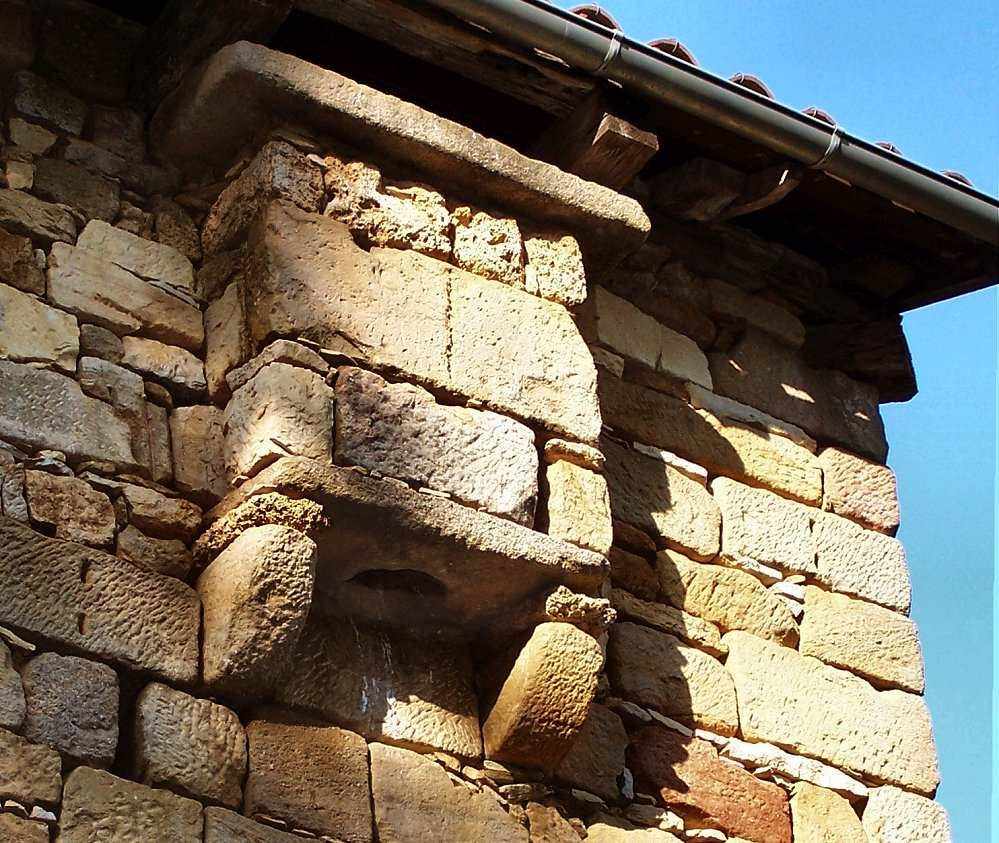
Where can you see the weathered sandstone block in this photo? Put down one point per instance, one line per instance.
(548, 825)
(821, 816)
(30, 137)
(152, 261)
(555, 269)
(118, 130)
(256, 596)
(13, 827)
(29, 772)
(96, 341)
(37, 97)
(158, 515)
(98, 291)
(660, 671)
(631, 572)
(489, 246)
(279, 351)
(11, 692)
(764, 755)
(407, 691)
(279, 171)
(18, 265)
(45, 223)
(579, 506)
(546, 698)
(662, 501)
(282, 411)
(175, 368)
(72, 706)
(31, 331)
(727, 408)
(894, 816)
(585, 456)
(403, 311)
(689, 776)
(691, 629)
(196, 435)
(13, 502)
(736, 305)
(480, 458)
(415, 800)
(65, 183)
(222, 826)
(596, 757)
(726, 597)
(71, 508)
(591, 614)
(190, 746)
(88, 600)
(95, 803)
(314, 778)
(169, 557)
(880, 645)
(801, 704)
(860, 489)
(226, 341)
(110, 382)
(610, 829)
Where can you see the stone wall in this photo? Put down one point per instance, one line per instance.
(343, 499)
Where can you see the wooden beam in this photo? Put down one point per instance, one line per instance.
(597, 145)
(699, 189)
(763, 189)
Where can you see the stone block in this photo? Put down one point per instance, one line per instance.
(256, 596)
(19, 830)
(29, 772)
(596, 758)
(18, 264)
(30, 137)
(175, 368)
(226, 341)
(756, 756)
(735, 305)
(97, 804)
(610, 829)
(314, 778)
(278, 171)
(169, 557)
(387, 686)
(67, 184)
(279, 351)
(98, 291)
(545, 699)
(119, 130)
(688, 775)
(45, 223)
(223, 826)
(43, 409)
(617, 323)
(489, 246)
(820, 815)
(403, 311)
(729, 598)
(175, 229)
(160, 516)
(727, 408)
(894, 816)
(548, 825)
(13, 503)
(480, 458)
(197, 436)
(40, 99)
(660, 671)
(191, 746)
(662, 501)
(859, 489)
(72, 706)
(31, 331)
(282, 411)
(416, 800)
(110, 382)
(585, 456)
(70, 509)
(880, 645)
(89, 601)
(579, 506)
(555, 269)
(96, 341)
(152, 261)
(11, 692)
(632, 573)
(806, 706)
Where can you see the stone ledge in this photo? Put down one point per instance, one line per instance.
(392, 555)
(244, 87)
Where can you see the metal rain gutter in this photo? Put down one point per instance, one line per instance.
(593, 48)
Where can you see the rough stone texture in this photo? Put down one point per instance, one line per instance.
(110, 382)
(72, 509)
(615, 830)
(821, 816)
(30, 137)
(119, 130)
(726, 408)
(29, 772)
(169, 557)
(38, 98)
(585, 456)
(226, 342)
(632, 573)
(416, 800)
(880, 645)
(200, 122)
(406, 691)
(726, 597)
(175, 368)
(88, 600)
(489, 246)
(11, 693)
(19, 830)
(13, 503)
(314, 778)
(45, 223)
(548, 825)
(757, 756)
(480, 458)
(596, 757)
(279, 171)
(256, 596)
(626, 329)
(801, 704)
(153, 446)
(894, 816)
(693, 630)
(689, 776)
(18, 266)
(96, 341)
(223, 826)
(660, 671)
(545, 700)
(197, 436)
(98, 291)
(31, 331)
(279, 351)
(153, 261)
(555, 268)
(403, 311)
(735, 305)
(591, 614)
(175, 228)
(161, 516)
(190, 746)
(72, 706)
(762, 373)
(98, 805)
(860, 489)
(662, 501)
(67, 184)
(579, 506)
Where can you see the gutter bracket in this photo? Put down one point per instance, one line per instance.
(613, 51)
(835, 142)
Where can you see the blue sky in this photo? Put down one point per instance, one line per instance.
(924, 75)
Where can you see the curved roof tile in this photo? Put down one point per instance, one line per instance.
(753, 83)
(675, 48)
(596, 14)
